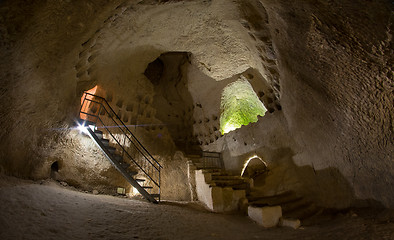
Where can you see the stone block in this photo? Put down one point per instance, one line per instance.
(217, 199)
(292, 223)
(265, 216)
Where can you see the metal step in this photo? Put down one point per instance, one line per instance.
(111, 150)
(105, 142)
(132, 172)
(99, 134)
(117, 157)
(124, 165)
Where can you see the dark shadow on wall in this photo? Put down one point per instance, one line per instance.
(326, 188)
(172, 100)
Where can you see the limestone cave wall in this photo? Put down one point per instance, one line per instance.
(323, 70)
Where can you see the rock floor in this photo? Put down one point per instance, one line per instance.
(46, 210)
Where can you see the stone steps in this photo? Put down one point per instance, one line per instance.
(234, 186)
(220, 191)
(226, 177)
(220, 178)
(304, 212)
(277, 199)
(293, 206)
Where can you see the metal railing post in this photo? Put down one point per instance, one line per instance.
(147, 164)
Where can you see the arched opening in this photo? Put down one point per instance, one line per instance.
(55, 170)
(87, 105)
(253, 169)
(239, 106)
(55, 166)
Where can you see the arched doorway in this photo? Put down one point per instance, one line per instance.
(254, 169)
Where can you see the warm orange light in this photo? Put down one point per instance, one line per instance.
(86, 104)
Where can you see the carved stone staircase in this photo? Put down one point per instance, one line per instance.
(221, 178)
(221, 191)
(120, 146)
(293, 205)
(217, 189)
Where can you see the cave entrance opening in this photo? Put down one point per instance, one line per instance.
(239, 106)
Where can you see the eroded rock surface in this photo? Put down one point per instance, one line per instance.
(323, 70)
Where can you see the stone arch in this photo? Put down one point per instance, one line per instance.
(254, 167)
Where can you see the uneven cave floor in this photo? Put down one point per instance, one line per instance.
(47, 210)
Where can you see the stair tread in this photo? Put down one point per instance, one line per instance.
(212, 170)
(292, 206)
(111, 149)
(229, 181)
(117, 157)
(105, 142)
(99, 134)
(275, 201)
(226, 177)
(303, 213)
(132, 172)
(255, 195)
(113, 152)
(221, 174)
(234, 186)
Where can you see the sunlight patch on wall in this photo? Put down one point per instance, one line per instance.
(239, 106)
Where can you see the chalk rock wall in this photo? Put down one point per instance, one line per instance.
(336, 71)
(323, 70)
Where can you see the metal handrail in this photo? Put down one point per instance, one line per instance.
(211, 159)
(139, 143)
(126, 132)
(130, 157)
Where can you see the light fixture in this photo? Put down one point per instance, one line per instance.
(84, 129)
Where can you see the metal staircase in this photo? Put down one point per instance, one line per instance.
(120, 146)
